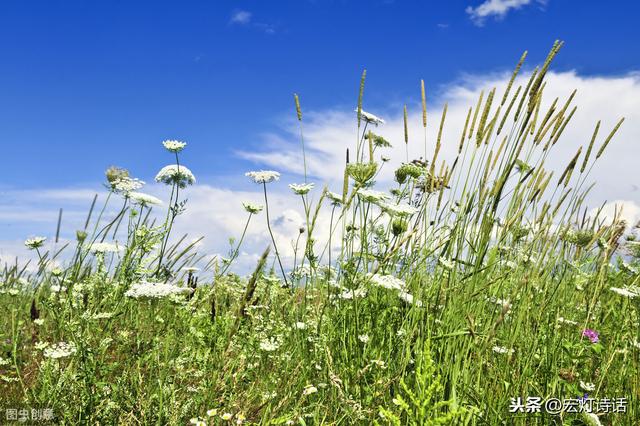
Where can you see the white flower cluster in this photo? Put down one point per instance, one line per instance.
(387, 281)
(302, 188)
(502, 350)
(145, 289)
(269, 345)
(370, 118)
(336, 199)
(175, 174)
(126, 184)
(630, 292)
(144, 199)
(60, 350)
(174, 146)
(252, 208)
(401, 210)
(372, 196)
(101, 248)
(35, 242)
(392, 283)
(263, 176)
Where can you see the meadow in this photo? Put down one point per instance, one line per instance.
(472, 292)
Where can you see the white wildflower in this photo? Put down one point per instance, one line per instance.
(372, 196)
(104, 248)
(589, 387)
(309, 389)
(446, 264)
(263, 176)
(301, 189)
(197, 421)
(226, 416)
(300, 272)
(144, 199)
(38, 321)
(151, 290)
(60, 350)
(364, 338)
(562, 320)
(174, 174)
(370, 118)
(502, 350)
(269, 345)
(636, 344)
(408, 297)
(401, 210)
(213, 412)
(103, 315)
(41, 345)
(35, 242)
(387, 281)
(336, 199)
(591, 419)
(126, 184)
(626, 292)
(355, 293)
(174, 146)
(252, 208)
(301, 325)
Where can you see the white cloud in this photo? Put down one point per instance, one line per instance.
(329, 133)
(241, 17)
(495, 8)
(216, 212)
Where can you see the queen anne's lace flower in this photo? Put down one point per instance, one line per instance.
(589, 387)
(252, 208)
(35, 242)
(126, 184)
(401, 210)
(176, 174)
(309, 389)
(144, 199)
(336, 199)
(387, 281)
(60, 350)
(174, 146)
(408, 297)
(104, 248)
(502, 350)
(629, 292)
(263, 176)
(372, 196)
(269, 345)
(301, 189)
(150, 290)
(370, 118)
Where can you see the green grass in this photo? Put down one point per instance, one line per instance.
(473, 292)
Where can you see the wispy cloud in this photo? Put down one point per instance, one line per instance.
(245, 18)
(496, 8)
(214, 210)
(241, 17)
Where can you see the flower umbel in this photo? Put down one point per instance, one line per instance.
(175, 174)
(174, 146)
(263, 176)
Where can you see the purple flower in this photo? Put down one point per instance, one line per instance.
(591, 334)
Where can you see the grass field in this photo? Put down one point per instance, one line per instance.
(471, 285)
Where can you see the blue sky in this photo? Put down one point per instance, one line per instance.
(85, 85)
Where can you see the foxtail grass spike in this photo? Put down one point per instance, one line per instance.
(513, 77)
(608, 139)
(360, 95)
(475, 114)
(593, 139)
(424, 104)
(298, 109)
